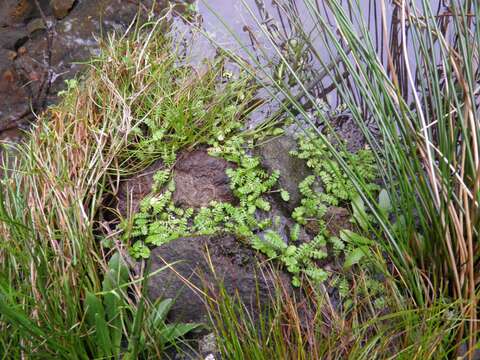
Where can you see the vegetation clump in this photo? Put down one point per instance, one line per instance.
(405, 277)
(160, 221)
(63, 294)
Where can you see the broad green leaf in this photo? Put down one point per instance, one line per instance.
(354, 238)
(116, 276)
(171, 332)
(354, 257)
(384, 202)
(359, 213)
(159, 312)
(93, 306)
(102, 336)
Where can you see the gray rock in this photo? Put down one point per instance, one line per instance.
(234, 265)
(61, 8)
(275, 155)
(207, 345)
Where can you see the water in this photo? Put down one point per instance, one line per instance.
(264, 31)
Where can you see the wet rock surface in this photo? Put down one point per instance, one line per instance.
(40, 48)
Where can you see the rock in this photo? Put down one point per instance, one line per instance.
(11, 55)
(61, 8)
(134, 189)
(75, 39)
(15, 11)
(207, 345)
(12, 38)
(348, 131)
(200, 179)
(280, 223)
(35, 25)
(336, 219)
(13, 97)
(275, 155)
(22, 50)
(234, 265)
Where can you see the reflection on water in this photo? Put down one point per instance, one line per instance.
(265, 31)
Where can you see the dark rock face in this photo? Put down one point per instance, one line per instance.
(348, 131)
(275, 155)
(200, 179)
(233, 264)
